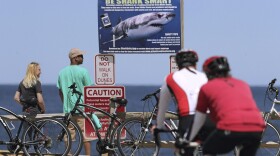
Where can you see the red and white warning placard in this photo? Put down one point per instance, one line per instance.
(99, 96)
(173, 65)
(104, 69)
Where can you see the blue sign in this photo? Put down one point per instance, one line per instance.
(139, 26)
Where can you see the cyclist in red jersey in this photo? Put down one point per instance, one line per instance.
(232, 108)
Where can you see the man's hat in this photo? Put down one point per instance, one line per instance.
(74, 52)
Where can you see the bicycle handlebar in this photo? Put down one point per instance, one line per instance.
(271, 87)
(74, 90)
(157, 131)
(181, 142)
(151, 95)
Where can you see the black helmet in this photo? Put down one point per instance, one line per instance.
(216, 66)
(186, 58)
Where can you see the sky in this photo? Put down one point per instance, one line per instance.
(246, 32)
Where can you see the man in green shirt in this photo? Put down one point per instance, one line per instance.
(67, 76)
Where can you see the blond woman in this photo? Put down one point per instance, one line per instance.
(29, 92)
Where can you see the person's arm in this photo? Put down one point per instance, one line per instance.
(60, 95)
(199, 120)
(39, 95)
(17, 97)
(41, 102)
(87, 79)
(163, 104)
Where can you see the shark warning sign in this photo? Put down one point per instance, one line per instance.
(140, 26)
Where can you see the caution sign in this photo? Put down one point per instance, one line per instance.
(99, 96)
(104, 69)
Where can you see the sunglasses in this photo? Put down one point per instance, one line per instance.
(80, 56)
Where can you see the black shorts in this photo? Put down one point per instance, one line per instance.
(185, 125)
(222, 141)
(31, 112)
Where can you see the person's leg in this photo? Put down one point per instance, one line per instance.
(185, 123)
(183, 128)
(207, 128)
(219, 142)
(30, 114)
(250, 144)
(87, 146)
(87, 143)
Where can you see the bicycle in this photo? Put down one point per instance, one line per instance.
(138, 140)
(40, 137)
(104, 144)
(271, 137)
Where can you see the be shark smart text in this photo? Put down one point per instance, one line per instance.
(138, 2)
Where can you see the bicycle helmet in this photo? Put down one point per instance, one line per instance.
(186, 58)
(216, 66)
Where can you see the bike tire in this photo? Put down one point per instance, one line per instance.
(135, 139)
(8, 137)
(34, 140)
(270, 142)
(76, 136)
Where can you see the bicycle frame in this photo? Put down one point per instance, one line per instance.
(107, 142)
(272, 111)
(154, 113)
(93, 124)
(15, 140)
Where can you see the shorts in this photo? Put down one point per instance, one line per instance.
(223, 141)
(80, 121)
(185, 125)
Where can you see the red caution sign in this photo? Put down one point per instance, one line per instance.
(99, 96)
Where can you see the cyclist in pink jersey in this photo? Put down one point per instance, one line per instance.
(232, 108)
(184, 86)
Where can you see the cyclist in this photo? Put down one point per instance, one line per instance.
(184, 86)
(232, 108)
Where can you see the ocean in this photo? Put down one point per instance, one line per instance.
(133, 94)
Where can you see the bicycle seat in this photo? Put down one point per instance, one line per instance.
(120, 101)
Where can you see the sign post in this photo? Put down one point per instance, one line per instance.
(99, 96)
(104, 69)
(173, 65)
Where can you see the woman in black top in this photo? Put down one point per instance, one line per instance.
(29, 93)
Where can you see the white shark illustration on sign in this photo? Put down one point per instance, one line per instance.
(141, 26)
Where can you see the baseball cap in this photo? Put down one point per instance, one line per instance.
(75, 52)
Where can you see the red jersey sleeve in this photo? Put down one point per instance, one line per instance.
(202, 102)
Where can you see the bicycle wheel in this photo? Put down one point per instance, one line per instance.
(76, 136)
(137, 139)
(6, 137)
(51, 137)
(270, 142)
